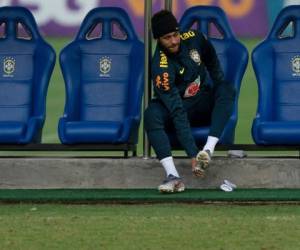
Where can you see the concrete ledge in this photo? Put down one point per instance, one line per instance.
(40, 173)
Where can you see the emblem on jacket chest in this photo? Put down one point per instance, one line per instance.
(194, 54)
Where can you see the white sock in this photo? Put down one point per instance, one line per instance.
(211, 143)
(169, 166)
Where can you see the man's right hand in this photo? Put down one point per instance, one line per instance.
(196, 169)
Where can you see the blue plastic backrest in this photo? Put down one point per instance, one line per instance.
(276, 63)
(106, 15)
(13, 15)
(102, 96)
(205, 15)
(288, 14)
(17, 59)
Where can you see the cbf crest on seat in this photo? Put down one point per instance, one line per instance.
(233, 56)
(103, 72)
(276, 63)
(27, 62)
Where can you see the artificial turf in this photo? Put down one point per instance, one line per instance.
(146, 195)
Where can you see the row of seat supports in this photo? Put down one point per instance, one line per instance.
(56, 147)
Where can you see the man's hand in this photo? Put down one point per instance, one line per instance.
(196, 169)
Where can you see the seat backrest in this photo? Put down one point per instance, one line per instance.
(213, 23)
(276, 63)
(18, 42)
(104, 66)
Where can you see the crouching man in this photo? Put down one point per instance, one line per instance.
(183, 97)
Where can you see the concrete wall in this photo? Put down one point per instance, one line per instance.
(139, 173)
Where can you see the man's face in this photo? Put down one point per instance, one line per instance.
(170, 42)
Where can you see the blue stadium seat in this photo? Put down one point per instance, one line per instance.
(233, 56)
(103, 69)
(27, 63)
(276, 63)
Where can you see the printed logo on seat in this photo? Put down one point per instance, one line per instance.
(105, 64)
(296, 65)
(9, 66)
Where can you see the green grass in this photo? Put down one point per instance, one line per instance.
(56, 95)
(247, 99)
(56, 98)
(165, 226)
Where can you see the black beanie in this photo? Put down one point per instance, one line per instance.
(163, 22)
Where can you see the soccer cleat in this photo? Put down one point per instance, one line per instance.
(171, 185)
(203, 158)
